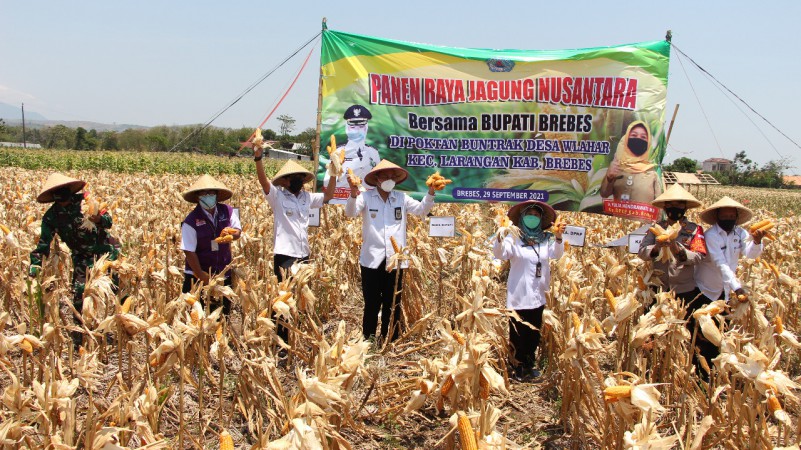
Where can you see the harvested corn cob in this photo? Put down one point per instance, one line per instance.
(226, 441)
(466, 435)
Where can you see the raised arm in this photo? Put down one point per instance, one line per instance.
(263, 180)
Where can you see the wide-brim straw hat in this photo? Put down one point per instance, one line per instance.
(548, 213)
(207, 182)
(400, 174)
(710, 215)
(676, 193)
(291, 168)
(55, 182)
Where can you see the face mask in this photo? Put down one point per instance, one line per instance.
(208, 201)
(387, 185)
(532, 222)
(356, 134)
(637, 146)
(674, 213)
(295, 185)
(727, 225)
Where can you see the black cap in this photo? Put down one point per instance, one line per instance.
(357, 114)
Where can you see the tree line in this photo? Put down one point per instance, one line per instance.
(743, 171)
(210, 140)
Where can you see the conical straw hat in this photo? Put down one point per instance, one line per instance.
(548, 214)
(55, 182)
(291, 167)
(399, 176)
(676, 193)
(207, 182)
(710, 215)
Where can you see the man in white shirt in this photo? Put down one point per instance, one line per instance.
(291, 205)
(716, 275)
(383, 212)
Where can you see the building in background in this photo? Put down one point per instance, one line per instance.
(716, 165)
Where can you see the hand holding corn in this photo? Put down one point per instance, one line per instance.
(354, 181)
(336, 158)
(761, 229)
(258, 143)
(437, 182)
(558, 227)
(226, 235)
(664, 237)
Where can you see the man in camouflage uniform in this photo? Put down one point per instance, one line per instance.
(66, 219)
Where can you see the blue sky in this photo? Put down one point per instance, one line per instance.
(179, 62)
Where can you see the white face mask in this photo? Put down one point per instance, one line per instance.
(356, 134)
(387, 185)
(208, 201)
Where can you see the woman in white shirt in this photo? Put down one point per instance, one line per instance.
(383, 212)
(529, 278)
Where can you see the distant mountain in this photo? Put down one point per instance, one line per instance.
(76, 123)
(10, 113)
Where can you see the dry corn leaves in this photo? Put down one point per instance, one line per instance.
(171, 349)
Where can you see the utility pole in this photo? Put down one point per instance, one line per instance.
(24, 140)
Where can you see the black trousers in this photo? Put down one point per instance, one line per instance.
(524, 340)
(378, 287)
(281, 266)
(695, 300)
(189, 280)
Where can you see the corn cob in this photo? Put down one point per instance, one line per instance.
(641, 283)
(227, 239)
(395, 245)
(610, 299)
(576, 320)
(484, 386)
(352, 178)
(758, 225)
(228, 231)
(774, 404)
(26, 346)
(226, 441)
(218, 333)
(615, 393)
(458, 337)
(195, 316)
(774, 269)
(5, 229)
(466, 435)
(126, 306)
(190, 299)
(446, 386)
(779, 325)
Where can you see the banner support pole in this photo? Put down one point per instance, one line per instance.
(316, 149)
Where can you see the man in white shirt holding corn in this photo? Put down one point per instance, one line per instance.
(383, 212)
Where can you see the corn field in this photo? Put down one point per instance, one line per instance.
(160, 371)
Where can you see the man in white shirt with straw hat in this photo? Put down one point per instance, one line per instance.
(291, 205)
(383, 212)
(716, 275)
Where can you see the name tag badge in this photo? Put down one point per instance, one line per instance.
(372, 215)
(289, 213)
(398, 213)
(215, 247)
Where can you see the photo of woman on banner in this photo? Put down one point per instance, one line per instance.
(631, 177)
(359, 157)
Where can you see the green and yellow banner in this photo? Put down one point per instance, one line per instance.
(581, 129)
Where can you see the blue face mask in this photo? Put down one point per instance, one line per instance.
(356, 134)
(531, 222)
(208, 201)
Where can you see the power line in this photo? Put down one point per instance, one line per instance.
(711, 130)
(245, 92)
(736, 96)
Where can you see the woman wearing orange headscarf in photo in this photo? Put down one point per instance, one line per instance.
(631, 176)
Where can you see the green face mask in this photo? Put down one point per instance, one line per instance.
(532, 222)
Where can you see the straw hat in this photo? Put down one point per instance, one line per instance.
(55, 182)
(710, 215)
(548, 214)
(290, 168)
(206, 182)
(400, 174)
(676, 193)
